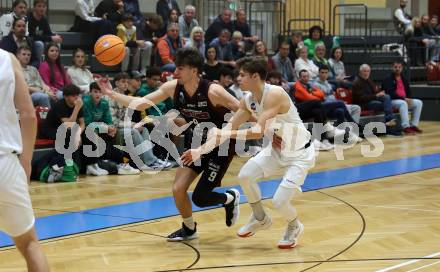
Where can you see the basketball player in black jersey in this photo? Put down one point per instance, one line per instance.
(198, 102)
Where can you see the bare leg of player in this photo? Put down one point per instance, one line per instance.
(184, 178)
(31, 250)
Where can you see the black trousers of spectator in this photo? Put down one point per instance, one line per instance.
(111, 152)
(312, 110)
(338, 110)
(96, 28)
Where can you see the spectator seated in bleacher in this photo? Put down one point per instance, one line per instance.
(68, 112)
(305, 91)
(396, 85)
(78, 73)
(226, 79)
(423, 39)
(152, 83)
(167, 48)
(295, 41)
(98, 115)
(197, 40)
(260, 50)
(320, 60)
(235, 87)
(39, 28)
(212, 67)
(140, 49)
(87, 22)
(16, 38)
(52, 71)
(315, 37)
(19, 10)
(240, 24)
(402, 20)
(283, 64)
(237, 45)
(132, 7)
(138, 133)
(366, 95)
(223, 21)
(274, 77)
(152, 29)
(434, 38)
(112, 10)
(187, 22)
(435, 24)
(40, 92)
(304, 63)
(340, 77)
(164, 7)
(322, 83)
(224, 48)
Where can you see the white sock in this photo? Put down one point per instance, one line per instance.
(293, 223)
(229, 198)
(189, 222)
(258, 210)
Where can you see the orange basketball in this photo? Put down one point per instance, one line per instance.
(109, 50)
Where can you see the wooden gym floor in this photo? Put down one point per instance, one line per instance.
(391, 223)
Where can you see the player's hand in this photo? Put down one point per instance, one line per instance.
(78, 103)
(190, 156)
(105, 86)
(57, 38)
(277, 142)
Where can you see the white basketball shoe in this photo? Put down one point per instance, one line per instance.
(290, 237)
(253, 225)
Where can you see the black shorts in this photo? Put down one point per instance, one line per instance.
(213, 166)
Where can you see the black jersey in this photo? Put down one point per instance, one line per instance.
(198, 108)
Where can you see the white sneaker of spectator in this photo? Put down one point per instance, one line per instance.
(324, 145)
(333, 131)
(126, 169)
(95, 170)
(157, 165)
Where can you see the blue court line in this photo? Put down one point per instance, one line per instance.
(116, 215)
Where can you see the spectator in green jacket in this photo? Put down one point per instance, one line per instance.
(315, 38)
(97, 114)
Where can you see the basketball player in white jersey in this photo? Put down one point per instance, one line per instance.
(276, 114)
(16, 148)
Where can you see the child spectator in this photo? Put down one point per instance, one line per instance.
(141, 49)
(97, 114)
(138, 133)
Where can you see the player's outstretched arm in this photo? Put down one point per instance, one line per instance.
(219, 97)
(28, 119)
(138, 103)
(218, 136)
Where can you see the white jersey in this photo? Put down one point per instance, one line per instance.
(10, 135)
(288, 126)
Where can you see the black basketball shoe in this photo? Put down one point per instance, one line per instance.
(183, 234)
(233, 208)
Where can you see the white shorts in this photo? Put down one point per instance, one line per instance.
(16, 214)
(295, 167)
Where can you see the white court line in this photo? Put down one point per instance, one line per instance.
(407, 263)
(424, 266)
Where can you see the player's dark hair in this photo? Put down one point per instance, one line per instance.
(189, 57)
(253, 65)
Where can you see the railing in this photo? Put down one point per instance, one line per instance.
(267, 20)
(302, 10)
(351, 20)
